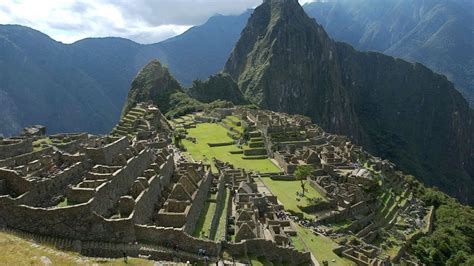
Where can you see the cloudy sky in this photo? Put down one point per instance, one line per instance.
(144, 21)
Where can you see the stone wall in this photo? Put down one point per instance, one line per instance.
(107, 154)
(269, 250)
(75, 222)
(146, 202)
(56, 184)
(282, 177)
(108, 194)
(198, 203)
(220, 197)
(79, 194)
(166, 236)
(25, 158)
(15, 147)
(14, 183)
(317, 187)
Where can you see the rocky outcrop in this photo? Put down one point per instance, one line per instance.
(153, 83)
(285, 61)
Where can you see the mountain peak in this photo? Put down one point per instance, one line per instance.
(284, 61)
(280, 2)
(154, 82)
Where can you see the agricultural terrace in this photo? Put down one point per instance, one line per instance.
(320, 246)
(286, 194)
(212, 133)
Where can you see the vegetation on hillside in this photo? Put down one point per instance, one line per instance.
(217, 87)
(182, 104)
(153, 83)
(452, 240)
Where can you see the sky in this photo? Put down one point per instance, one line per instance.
(143, 21)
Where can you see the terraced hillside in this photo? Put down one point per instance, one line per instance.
(200, 144)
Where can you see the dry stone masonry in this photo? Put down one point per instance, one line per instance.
(131, 191)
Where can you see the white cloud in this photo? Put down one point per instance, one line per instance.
(144, 21)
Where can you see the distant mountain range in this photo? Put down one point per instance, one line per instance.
(436, 33)
(82, 86)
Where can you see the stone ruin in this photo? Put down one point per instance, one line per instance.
(364, 192)
(130, 191)
(255, 214)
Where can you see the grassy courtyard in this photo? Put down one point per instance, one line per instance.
(286, 193)
(222, 218)
(206, 133)
(321, 247)
(202, 229)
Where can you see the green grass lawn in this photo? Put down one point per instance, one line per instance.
(259, 261)
(286, 194)
(298, 243)
(204, 223)
(222, 218)
(231, 121)
(214, 133)
(321, 247)
(37, 144)
(341, 224)
(63, 203)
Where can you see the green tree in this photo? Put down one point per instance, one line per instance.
(302, 172)
(177, 137)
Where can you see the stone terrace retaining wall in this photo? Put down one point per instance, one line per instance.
(15, 182)
(159, 243)
(106, 154)
(145, 203)
(109, 193)
(74, 222)
(167, 236)
(268, 249)
(25, 158)
(198, 203)
(15, 147)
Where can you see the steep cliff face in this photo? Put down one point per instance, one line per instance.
(285, 61)
(153, 83)
(433, 32)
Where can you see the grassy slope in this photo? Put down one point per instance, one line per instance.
(17, 251)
